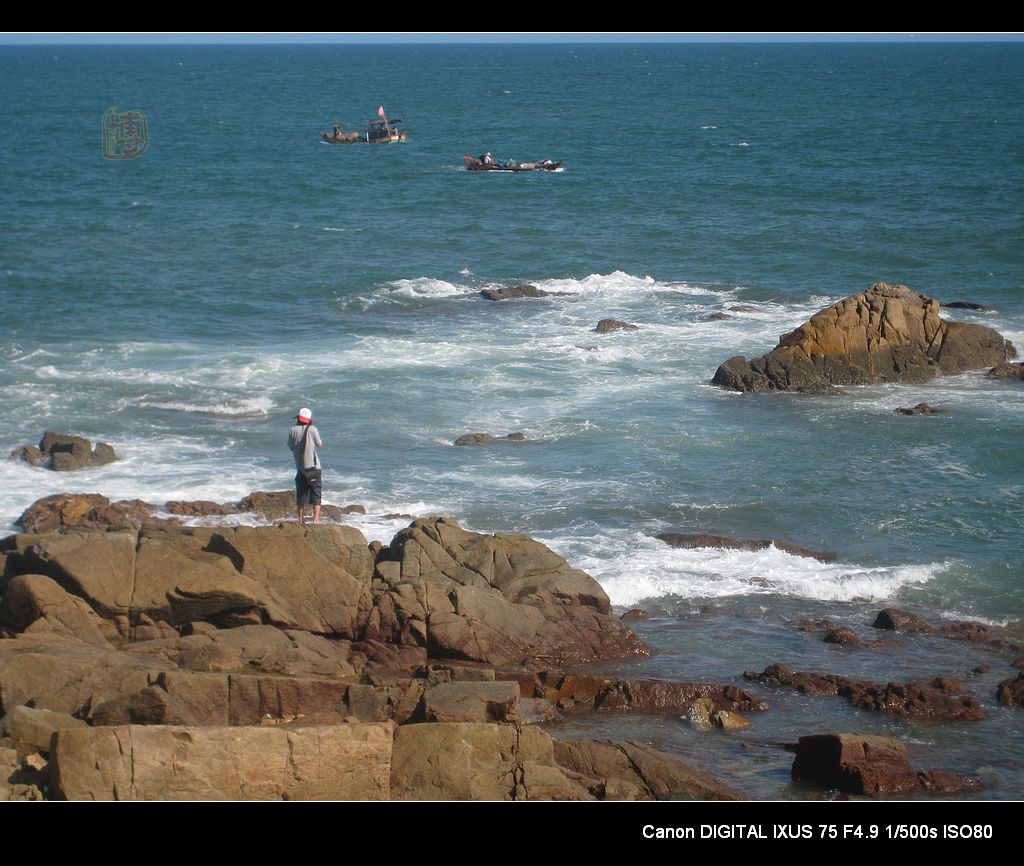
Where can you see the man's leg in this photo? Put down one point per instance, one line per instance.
(316, 514)
(302, 514)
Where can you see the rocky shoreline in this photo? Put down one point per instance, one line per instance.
(144, 659)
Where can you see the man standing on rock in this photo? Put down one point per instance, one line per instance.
(303, 440)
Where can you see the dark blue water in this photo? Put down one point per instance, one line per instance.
(185, 304)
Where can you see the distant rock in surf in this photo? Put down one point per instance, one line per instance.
(969, 305)
(886, 334)
(919, 409)
(1011, 692)
(63, 453)
(489, 439)
(741, 308)
(702, 539)
(606, 326)
(509, 292)
(716, 317)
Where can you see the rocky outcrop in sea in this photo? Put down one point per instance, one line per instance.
(887, 334)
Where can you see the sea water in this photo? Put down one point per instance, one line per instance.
(185, 304)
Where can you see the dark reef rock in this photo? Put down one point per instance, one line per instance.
(64, 453)
(700, 539)
(489, 439)
(968, 305)
(606, 326)
(939, 699)
(886, 334)
(715, 317)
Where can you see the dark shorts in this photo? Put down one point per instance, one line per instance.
(306, 493)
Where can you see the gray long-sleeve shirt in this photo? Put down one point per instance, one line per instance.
(305, 456)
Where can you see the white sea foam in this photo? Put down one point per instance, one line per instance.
(245, 407)
(642, 567)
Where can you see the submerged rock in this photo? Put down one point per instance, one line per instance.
(64, 453)
(489, 439)
(919, 409)
(886, 334)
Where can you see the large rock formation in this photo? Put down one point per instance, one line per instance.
(886, 334)
(437, 590)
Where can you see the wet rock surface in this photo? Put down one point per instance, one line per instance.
(868, 765)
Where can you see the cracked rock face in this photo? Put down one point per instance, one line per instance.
(886, 334)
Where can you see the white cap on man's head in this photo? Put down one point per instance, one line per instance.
(304, 416)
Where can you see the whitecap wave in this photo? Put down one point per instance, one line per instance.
(250, 407)
(631, 570)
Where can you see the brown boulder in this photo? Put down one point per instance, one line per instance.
(497, 599)
(1011, 692)
(30, 729)
(892, 619)
(868, 765)
(886, 334)
(703, 539)
(341, 762)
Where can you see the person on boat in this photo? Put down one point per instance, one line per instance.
(487, 159)
(337, 132)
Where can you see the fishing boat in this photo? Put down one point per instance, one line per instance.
(475, 164)
(380, 131)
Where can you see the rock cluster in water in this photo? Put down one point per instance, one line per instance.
(886, 334)
(63, 453)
